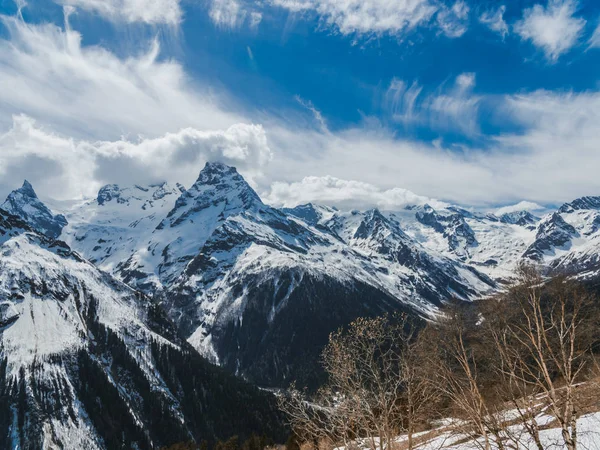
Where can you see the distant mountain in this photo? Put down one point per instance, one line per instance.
(258, 289)
(241, 280)
(87, 362)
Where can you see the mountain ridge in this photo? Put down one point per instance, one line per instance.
(230, 270)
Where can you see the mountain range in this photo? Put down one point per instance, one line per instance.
(142, 289)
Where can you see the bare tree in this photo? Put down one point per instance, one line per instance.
(545, 348)
(420, 378)
(463, 370)
(377, 387)
(315, 422)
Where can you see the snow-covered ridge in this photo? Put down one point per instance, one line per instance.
(221, 257)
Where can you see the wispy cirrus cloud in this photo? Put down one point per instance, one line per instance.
(453, 21)
(232, 14)
(452, 106)
(594, 41)
(89, 91)
(553, 28)
(152, 12)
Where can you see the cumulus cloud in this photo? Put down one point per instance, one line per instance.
(452, 106)
(64, 167)
(495, 21)
(553, 28)
(147, 11)
(393, 17)
(88, 91)
(344, 194)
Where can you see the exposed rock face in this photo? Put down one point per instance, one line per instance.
(25, 204)
(552, 233)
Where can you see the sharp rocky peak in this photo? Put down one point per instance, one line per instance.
(218, 179)
(216, 172)
(27, 190)
(217, 184)
(25, 204)
(587, 202)
(374, 223)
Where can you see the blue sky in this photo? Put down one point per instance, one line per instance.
(481, 103)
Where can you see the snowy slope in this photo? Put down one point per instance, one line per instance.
(119, 221)
(75, 343)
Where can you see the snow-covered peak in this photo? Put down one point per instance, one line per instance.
(523, 218)
(218, 187)
(553, 234)
(144, 195)
(217, 173)
(375, 226)
(24, 203)
(27, 190)
(581, 203)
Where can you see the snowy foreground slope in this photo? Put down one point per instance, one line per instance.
(258, 289)
(550, 437)
(87, 362)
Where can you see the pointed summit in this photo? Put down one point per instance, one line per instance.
(24, 203)
(27, 190)
(213, 172)
(219, 189)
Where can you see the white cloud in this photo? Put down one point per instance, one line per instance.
(594, 41)
(232, 14)
(495, 20)
(255, 19)
(345, 194)
(554, 28)
(320, 120)
(227, 13)
(453, 22)
(521, 206)
(393, 17)
(450, 107)
(553, 159)
(147, 11)
(85, 99)
(87, 91)
(62, 167)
